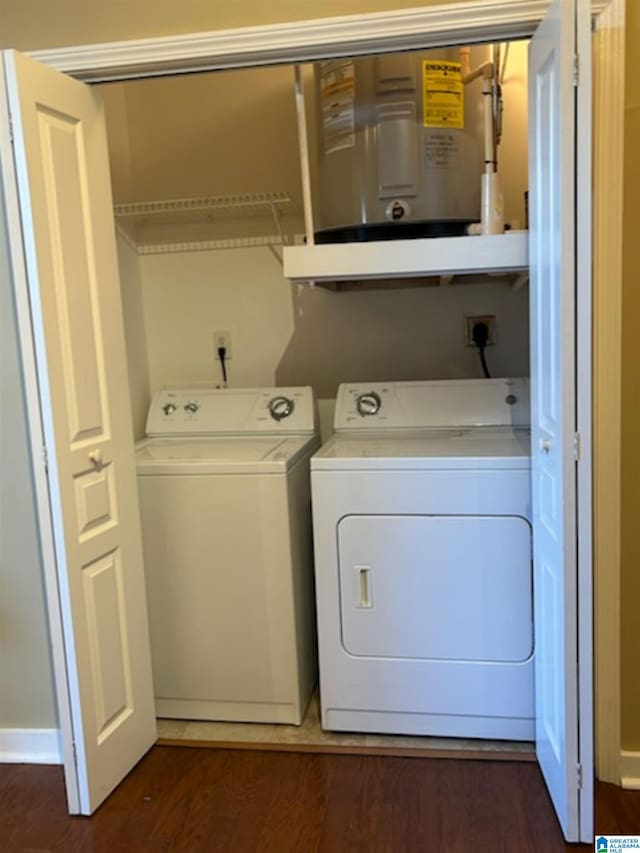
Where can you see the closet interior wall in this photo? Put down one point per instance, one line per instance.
(235, 132)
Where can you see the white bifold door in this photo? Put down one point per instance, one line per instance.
(65, 246)
(62, 235)
(555, 131)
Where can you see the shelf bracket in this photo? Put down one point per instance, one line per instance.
(276, 254)
(278, 223)
(520, 280)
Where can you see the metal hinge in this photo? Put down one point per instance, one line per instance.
(576, 69)
(75, 753)
(45, 459)
(576, 446)
(579, 776)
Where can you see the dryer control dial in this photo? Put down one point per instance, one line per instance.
(368, 404)
(192, 408)
(280, 408)
(169, 408)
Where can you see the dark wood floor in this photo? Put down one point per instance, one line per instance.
(183, 799)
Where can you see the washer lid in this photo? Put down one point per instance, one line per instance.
(223, 455)
(471, 449)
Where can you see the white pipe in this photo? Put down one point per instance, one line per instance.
(503, 70)
(492, 199)
(488, 71)
(492, 203)
(489, 128)
(465, 61)
(480, 71)
(497, 118)
(495, 56)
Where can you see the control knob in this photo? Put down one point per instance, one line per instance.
(368, 404)
(192, 408)
(280, 408)
(169, 408)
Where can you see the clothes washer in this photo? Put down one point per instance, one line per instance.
(421, 508)
(224, 491)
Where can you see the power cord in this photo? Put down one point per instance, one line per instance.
(222, 355)
(480, 335)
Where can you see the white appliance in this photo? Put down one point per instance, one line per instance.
(226, 522)
(421, 507)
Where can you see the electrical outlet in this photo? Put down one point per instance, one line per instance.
(469, 323)
(222, 339)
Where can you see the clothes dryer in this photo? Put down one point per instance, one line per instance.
(421, 508)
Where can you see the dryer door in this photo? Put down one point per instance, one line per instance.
(436, 587)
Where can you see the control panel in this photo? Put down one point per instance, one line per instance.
(232, 411)
(434, 404)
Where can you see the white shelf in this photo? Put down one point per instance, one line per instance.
(204, 224)
(208, 245)
(439, 256)
(240, 205)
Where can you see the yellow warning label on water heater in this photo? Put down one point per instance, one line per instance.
(442, 93)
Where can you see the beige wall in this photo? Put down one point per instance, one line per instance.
(135, 335)
(234, 132)
(32, 24)
(401, 334)
(513, 152)
(26, 683)
(115, 107)
(188, 296)
(295, 335)
(630, 396)
(204, 134)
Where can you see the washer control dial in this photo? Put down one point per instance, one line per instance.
(280, 407)
(169, 408)
(368, 404)
(192, 408)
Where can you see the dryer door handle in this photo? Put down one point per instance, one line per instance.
(364, 597)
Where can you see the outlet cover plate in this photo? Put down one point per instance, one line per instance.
(222, 339)
(469, 323)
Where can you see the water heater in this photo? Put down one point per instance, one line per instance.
(400, 146)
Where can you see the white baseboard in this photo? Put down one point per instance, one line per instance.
(30, 746)
(630, 769)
